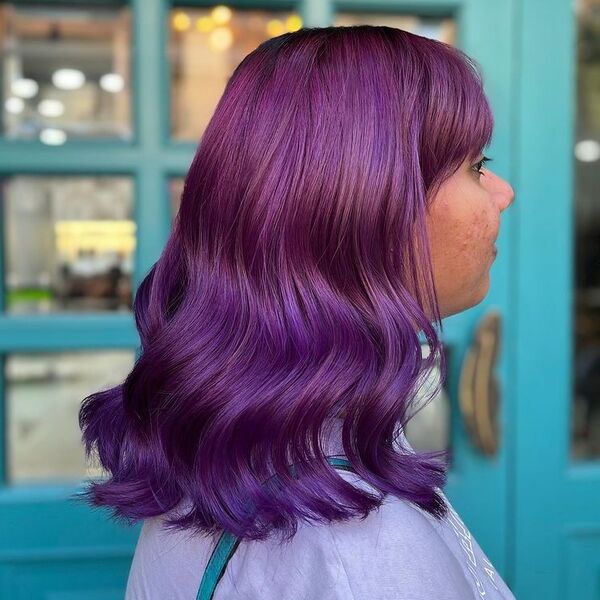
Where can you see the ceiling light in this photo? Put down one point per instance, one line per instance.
(14, 105)
(51, 108)
(112, 82)
(68, 79)
(587, 150)
(221, 14)
(53, 137)
(24, 88)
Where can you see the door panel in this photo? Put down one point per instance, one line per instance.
(557, 494)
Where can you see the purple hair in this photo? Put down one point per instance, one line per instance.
(293, 289)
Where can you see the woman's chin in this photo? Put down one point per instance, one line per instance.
(458, 306)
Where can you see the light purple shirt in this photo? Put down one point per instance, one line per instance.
(399, 552)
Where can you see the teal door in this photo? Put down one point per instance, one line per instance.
(557, 276)
(90, 173)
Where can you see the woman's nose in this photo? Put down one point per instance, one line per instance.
(500, 189)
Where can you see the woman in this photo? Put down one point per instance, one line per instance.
(337, 206)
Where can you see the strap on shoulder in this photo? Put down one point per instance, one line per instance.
(228, 544)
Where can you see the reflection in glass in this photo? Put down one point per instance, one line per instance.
(175, 191)
(443, 29)
(585, 426)
(43, 394)
(205, 46)
(429, 428)
(69, 243)
(65, 72)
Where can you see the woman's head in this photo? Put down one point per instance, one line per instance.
(352, 132)
(293, 288)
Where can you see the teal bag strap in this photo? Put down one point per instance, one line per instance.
(228, 544)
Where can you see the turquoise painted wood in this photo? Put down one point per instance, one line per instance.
(557, 500)
(52, 545)
(482, 491)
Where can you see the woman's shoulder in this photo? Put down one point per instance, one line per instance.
(397, 551)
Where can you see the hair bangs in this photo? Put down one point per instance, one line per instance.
(459, 121)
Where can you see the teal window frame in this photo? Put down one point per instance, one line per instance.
(151, 157)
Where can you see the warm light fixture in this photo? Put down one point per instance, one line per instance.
(220, 39)
(221, 14)
(275, 27)
(100, 235)
(205, 24)
(293, 23)
(181, 21)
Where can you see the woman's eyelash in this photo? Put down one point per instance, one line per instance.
(478, 165)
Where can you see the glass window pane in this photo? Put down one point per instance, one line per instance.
(69, 243)
(175, 191)
(43, 394)
(585, 426)
(65, 71)
(205, 46)
(430, 427)
(443, 29)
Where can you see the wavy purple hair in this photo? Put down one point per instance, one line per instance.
(293, 289)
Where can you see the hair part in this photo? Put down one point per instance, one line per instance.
(292, 289)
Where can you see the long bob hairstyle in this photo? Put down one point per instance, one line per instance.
(292, 290)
